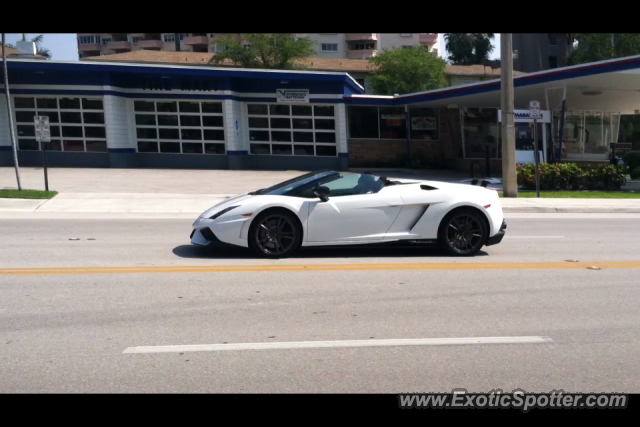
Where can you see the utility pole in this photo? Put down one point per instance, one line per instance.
(509, 182)
(6, 91)
(177, 36)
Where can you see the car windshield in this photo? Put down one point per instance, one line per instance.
(287, 186)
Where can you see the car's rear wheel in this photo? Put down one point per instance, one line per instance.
(275, 234)
(463, 232)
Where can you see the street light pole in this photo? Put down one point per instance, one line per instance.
(509, 182)
(6, 91)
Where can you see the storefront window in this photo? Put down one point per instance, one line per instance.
(587, 135)
(390, 123)
(480, 131)
(76, 124)
(393, 123)
(594, 135)
(298, 130)
(424, 123)
(363, 122)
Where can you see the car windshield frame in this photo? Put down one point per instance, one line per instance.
(294, 184)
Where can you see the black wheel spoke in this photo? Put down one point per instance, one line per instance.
(275, 235)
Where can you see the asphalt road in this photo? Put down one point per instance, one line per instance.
(65, 330)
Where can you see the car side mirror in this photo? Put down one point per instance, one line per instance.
(322, 193)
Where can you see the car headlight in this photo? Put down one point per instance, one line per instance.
(222, 212)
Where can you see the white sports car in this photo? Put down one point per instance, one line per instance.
(341, 208)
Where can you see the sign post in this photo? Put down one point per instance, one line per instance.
(534, 109)
(43, 136)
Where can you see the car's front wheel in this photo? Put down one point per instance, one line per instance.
(275, 234)
(463, 232)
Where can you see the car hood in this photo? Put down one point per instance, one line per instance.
(225, 204)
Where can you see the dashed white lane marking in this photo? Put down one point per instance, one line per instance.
(534, 237)
(338, 344)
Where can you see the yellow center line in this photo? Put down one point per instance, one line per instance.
(321, 267)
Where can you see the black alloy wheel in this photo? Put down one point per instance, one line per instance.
(463, 233)
(275, 234)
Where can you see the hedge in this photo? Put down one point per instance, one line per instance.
(569, 176)
(632, 159)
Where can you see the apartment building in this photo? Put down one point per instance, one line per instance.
(540, 51)
(339, 45)
(365, 45)
(106, 44)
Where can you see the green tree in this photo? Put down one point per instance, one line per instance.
(600, 46)
(407, 70)
(262, 50)
(468, 48)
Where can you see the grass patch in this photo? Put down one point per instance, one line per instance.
(26, 194)
(580, 194)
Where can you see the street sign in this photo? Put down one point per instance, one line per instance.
(534, 113)
(43, 136)
(43, 133)
(534, 108)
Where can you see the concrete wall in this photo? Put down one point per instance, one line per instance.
(391, 40)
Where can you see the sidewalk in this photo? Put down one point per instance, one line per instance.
(188, 192)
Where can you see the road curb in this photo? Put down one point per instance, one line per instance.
(569, 210)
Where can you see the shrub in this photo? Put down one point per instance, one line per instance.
(569, 176)
(635, 173)
(632, 158)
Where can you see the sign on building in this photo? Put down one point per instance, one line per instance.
(292, 95)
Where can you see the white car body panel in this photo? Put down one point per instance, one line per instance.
(395, 213)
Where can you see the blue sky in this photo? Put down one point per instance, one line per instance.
(63, 46)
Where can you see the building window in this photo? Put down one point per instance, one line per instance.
(423, 124)
(76, 124)
(406, 34)
(106, 40)
(363, 122)
(299, 130)
(329, 47)
(136, 39)
(553, 62)
(187, 127)
(171, 37)
(392, 123)
(361, 82)
(89, 40)
(552, 39)
(362, 46)
(480, 130)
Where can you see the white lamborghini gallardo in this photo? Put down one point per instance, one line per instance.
(330, 208)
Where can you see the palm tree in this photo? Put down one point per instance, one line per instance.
(40, 50)
(468, 48)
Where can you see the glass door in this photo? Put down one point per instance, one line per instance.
(525, 143)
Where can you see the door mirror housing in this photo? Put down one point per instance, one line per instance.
(322, 193)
